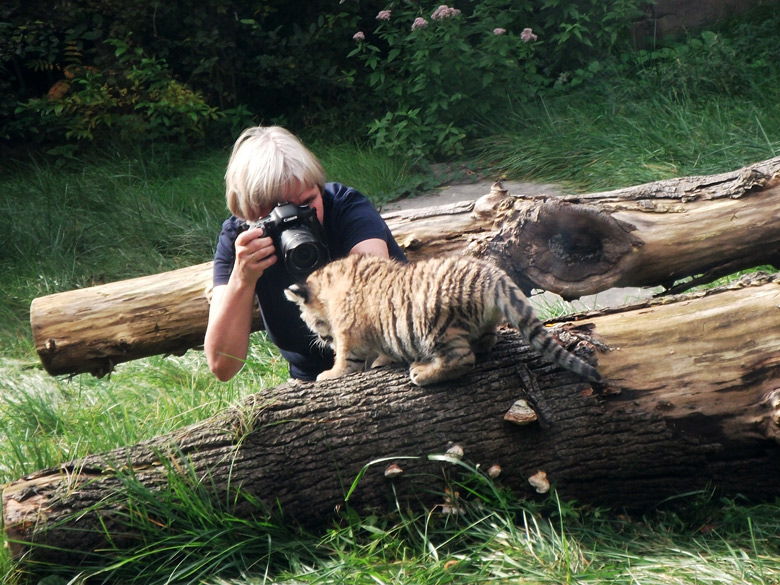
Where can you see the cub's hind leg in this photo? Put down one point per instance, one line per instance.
(486, 341)
(452, 358)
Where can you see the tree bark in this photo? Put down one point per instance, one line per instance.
(691, 400)
(653, 234)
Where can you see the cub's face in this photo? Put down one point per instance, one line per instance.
(313, 311)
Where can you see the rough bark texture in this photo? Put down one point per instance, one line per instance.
(692, 399)
(653, 234)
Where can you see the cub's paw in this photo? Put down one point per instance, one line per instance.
(328, 375)
(424, 373)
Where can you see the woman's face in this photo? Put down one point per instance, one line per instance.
(308, 196)
(298, 195)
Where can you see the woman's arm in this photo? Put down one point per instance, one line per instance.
(227, 335)
(230, 315)
(373, 246)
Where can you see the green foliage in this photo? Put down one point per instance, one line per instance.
(188, 69)
(710, 63)
(584, 30)
(698, 105)
(438, 73)
(183, 69)
(140, 102)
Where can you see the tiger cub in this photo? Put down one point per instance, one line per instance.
(433, 314)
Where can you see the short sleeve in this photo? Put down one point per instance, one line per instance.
(351, 218)
(225, 254)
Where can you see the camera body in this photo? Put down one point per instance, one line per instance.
(298, 238)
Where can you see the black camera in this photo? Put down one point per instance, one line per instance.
(298, 237)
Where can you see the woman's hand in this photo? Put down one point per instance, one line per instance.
(254, 255)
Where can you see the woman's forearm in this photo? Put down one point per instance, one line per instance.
(227, 336)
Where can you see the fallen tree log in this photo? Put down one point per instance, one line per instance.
(648, 235)
(691, 400)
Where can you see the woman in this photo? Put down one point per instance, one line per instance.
(269, 166)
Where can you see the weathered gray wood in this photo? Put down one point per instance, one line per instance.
(692, 399)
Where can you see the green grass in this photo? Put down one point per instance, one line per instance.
(706, 104)
(694, 108)
(493, 539)
(381, 178)
(613, 143)
(58, 419)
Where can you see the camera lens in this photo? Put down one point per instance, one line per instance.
(302, 251)
(305, 256)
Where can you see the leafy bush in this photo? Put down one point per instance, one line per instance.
(184, 66)
(184, 62)
(140, 102)
(440, 72)
(706, 63)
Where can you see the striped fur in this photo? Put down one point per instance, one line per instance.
(434, 315)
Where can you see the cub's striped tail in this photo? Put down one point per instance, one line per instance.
(516, 308)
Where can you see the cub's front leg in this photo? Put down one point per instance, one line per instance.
(346, 361)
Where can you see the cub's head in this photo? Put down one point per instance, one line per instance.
(313, 311)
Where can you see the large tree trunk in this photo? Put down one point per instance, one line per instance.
(574, 245)
(691, 399)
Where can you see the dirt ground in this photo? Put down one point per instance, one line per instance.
(468, 192)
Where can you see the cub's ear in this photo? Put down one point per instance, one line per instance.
(297, 293)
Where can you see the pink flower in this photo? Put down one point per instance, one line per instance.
(419, 22)
(443, 12)
(383, 15)
(527, 35)
(499, 31)
(359, 36)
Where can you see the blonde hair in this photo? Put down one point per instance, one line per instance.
(265, 163)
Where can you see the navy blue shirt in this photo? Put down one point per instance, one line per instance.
(349, 218)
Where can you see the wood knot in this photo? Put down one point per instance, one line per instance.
(497, 188)
(493, 203)
(410, 244)
(556, 243)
